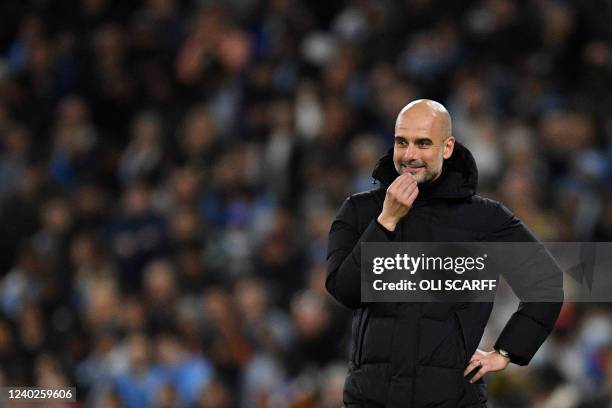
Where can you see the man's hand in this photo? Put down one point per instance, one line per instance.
(398, 200)
(487, 361)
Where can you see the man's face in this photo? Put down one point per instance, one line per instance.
(422, 142)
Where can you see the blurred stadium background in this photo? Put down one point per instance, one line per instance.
(169, 171)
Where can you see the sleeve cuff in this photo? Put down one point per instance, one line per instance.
(521, 338)
(389, 234)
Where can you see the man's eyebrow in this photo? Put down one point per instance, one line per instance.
(416, 139)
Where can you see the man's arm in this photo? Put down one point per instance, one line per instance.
(344, 246)
(344, 254)
(531, 324)
(533, 321)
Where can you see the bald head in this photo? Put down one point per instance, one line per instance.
(427, 110)
(423, 139)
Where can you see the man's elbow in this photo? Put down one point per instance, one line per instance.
(344, 297)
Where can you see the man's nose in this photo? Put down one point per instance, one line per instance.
(410, 153)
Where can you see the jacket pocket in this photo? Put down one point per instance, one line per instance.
(367, 386)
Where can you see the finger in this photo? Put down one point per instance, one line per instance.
(408, 179)
(483, 370)
(401, 178)
(397, 191)
(408, 186)
(393, 187)
(408, 198)
(478, 355)
(400, 183)
(471, 367)
(407, 176)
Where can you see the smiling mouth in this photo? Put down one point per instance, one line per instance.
(413, 169)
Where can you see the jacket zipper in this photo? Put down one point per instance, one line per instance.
(357, 334)
(361, 334)
(416, 357)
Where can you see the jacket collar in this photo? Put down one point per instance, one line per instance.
(459, 177)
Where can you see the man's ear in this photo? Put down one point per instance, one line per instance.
(449, 146)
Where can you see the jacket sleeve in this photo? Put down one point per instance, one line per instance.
(344, 253)
(531, 324)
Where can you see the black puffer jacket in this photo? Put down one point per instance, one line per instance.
(413, 354)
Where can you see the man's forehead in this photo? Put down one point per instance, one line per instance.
(421, 125)
(420, 121)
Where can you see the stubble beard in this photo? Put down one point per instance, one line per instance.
(424, 174)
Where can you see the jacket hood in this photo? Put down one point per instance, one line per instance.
(459, 177)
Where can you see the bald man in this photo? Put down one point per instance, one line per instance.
(425, 355)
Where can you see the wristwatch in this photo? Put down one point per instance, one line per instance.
(503, 352)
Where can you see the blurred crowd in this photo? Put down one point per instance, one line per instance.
(169, 170)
